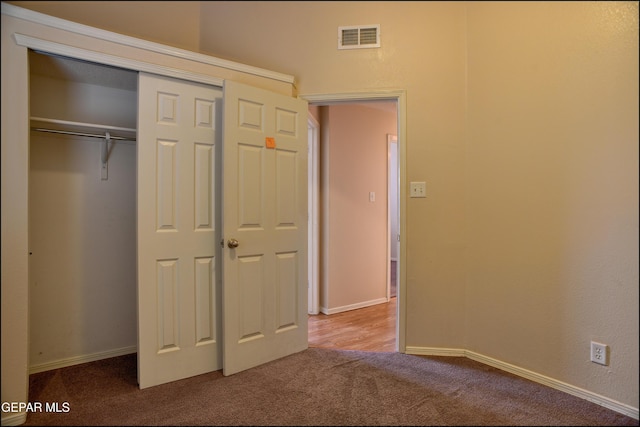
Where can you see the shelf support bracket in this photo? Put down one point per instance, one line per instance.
(105, 157)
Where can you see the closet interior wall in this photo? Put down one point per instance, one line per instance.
(82, 225)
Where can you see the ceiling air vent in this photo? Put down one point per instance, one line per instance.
(359, 37)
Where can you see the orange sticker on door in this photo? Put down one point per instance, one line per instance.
(270, 142)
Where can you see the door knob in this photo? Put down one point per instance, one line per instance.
(233, 243)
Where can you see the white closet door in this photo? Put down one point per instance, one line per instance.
(179, 300)
(265, 226)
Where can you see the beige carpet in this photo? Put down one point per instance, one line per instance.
(315, 387)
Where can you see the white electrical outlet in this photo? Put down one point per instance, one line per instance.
(599, 353)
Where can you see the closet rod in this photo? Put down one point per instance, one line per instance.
(91, 135)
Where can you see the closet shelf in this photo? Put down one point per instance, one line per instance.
(94, 130)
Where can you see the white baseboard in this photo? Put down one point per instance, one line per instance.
(530, 375)
(353, 306)
(14, 419)
(77, 360)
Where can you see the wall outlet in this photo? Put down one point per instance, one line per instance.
(599, 353)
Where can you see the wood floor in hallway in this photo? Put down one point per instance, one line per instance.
(368, 329)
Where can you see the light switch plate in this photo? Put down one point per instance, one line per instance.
(418, 189)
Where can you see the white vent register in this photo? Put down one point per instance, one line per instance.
(359, 37)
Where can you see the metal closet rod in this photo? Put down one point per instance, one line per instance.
(91, 135)
(65, 123)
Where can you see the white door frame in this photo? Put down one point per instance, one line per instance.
(314, 215)
(392, 184)
(400, 97)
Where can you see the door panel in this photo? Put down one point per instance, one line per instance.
(265, 210)
(179, 300)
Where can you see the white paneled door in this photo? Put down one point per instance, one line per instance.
(179, 299)
(222, 228)
(264, 227)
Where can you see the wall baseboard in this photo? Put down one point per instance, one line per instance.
(363, 304)
(530, 375)
(14, 419)
(77, 360)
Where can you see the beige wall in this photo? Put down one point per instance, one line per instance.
(523, 120)
(552, 163)
(354, 228)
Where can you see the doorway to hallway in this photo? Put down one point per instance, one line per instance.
(371, 326)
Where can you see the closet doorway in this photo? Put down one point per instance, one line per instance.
(102, 206)
(176, 276)
(82, 212)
